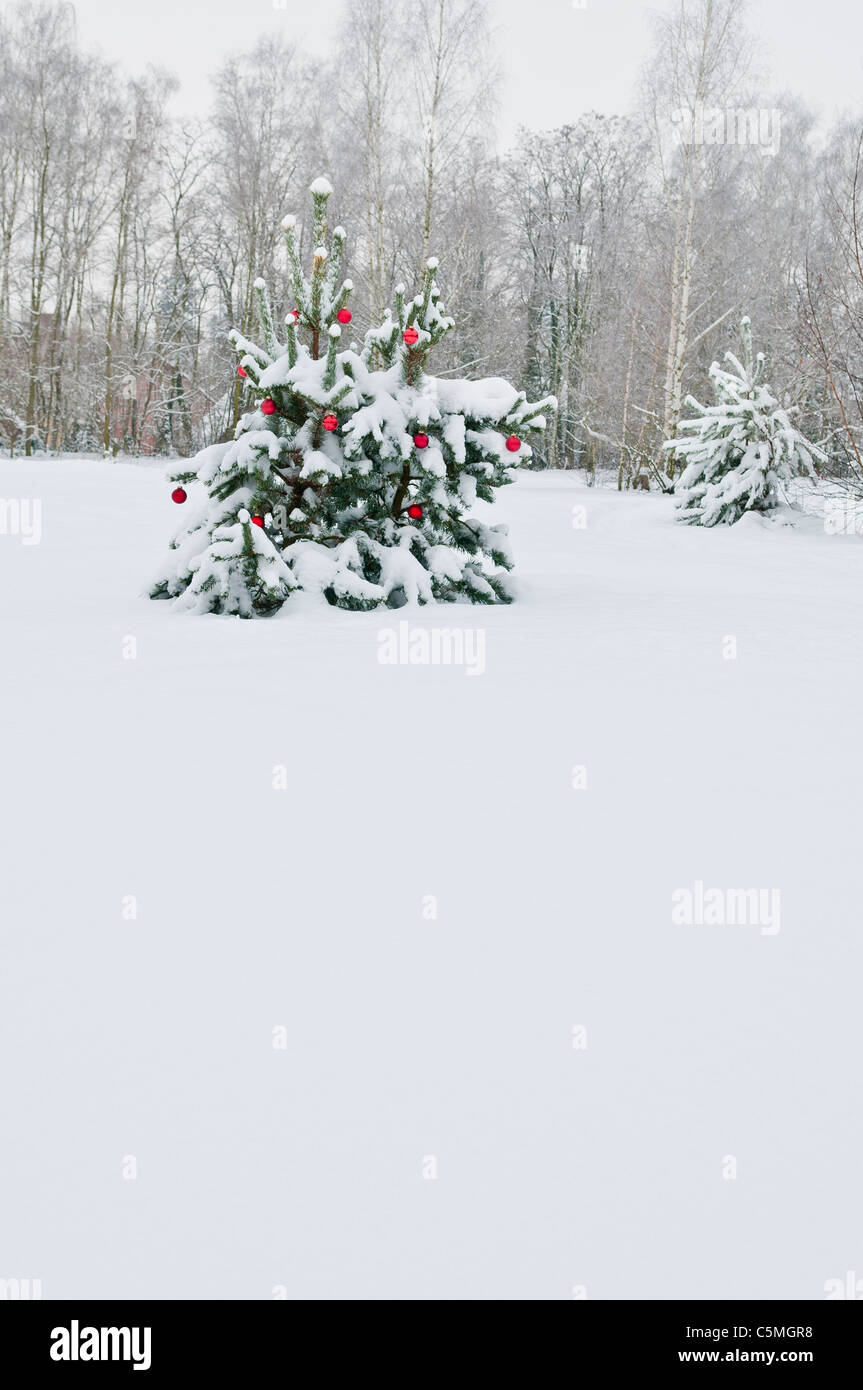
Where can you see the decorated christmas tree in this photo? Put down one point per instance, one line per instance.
(353, 474)
(738, 452)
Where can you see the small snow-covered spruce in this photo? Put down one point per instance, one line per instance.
(427, 447)
(738, 452)
(241, 571)
(357, 468)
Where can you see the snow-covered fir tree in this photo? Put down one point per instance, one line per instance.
(354, 473)
(738, 452)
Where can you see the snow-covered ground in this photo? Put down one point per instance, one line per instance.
(434, 1126)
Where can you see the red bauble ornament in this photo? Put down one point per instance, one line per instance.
(410, 336)
(295, 315)
(257, 521)
(415, 511)
(179, 494)
(421, 441)
(344, 316)
(513, 443)
(268, 406)
(241, 372)
(330, 422)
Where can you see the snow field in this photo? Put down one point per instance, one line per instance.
(433, 1126)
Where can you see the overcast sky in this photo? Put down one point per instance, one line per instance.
(560, 59)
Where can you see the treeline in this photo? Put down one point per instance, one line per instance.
(607, 262)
